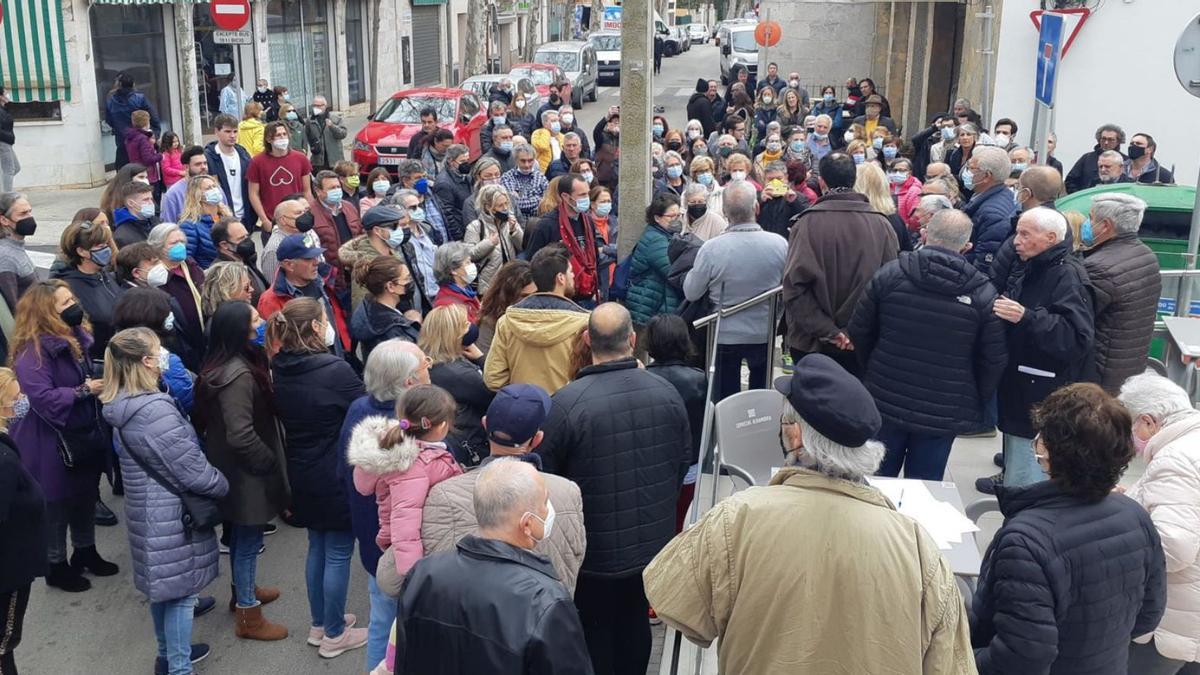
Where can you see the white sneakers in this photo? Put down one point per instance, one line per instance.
(351, 638)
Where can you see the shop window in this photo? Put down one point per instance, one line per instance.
(35, 111)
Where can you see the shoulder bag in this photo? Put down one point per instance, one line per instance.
(201, 513)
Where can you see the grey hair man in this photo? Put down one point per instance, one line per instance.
(927, 207)
(932, 351)
(1049, 315)
(494, 588)
(1110, 168)
(734, 556)
(991, 207)
(1086, 172)
(513, 422)
(627, 496)
(1126, 285)
(743, 262)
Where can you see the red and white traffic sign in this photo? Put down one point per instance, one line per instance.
(230, 14)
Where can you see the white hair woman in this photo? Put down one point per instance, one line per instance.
(1166, 433)
(495, 236)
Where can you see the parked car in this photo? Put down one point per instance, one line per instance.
(384, 141)
(578, 62)
(674, 39)
(739, 49)
(542, 75)
(698, 32)
(480, 85)
(608, 55)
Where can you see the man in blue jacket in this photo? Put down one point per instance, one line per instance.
(229, 162)
(992, 207)
(118, 112)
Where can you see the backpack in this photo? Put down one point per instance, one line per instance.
(619, 289)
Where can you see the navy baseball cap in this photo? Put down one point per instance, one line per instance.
(293, 246)
(516, 414)
(831, 400)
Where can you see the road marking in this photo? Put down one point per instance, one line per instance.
(686, 92)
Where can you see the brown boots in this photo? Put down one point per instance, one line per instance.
(252, 626)
(264, 594)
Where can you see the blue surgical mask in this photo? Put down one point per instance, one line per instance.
(947, 133)
(499, 119)
(604, 209)
(146, 211)
(889, 152)
(177, 253)
(506, 147)
(102, 256)
(828, 98)
(1020, 167)
(968, 179)
(877, 143)
(397, 237)
(334, 196)
(422, 185)
(260, 335)
(555, 127)
(381, 187)
(705, 178)
(658, 129)
(797, 146)
(1085, 233)
(292, 116)
(213, 196)
(588, 176)
(675, 171)
(859, 158)
(583, 204)
(417, 213)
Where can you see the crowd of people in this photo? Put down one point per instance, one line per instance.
(447, 368)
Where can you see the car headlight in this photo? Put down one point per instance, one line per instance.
(362, 147)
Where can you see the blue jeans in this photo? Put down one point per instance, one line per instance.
(383, 614)
(244, 542)
(1020, 466)
(327, 574)
(923, 456)
(729, 368)
(173, 630)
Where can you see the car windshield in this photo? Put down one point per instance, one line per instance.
(538, 75)
(568, 61)
(479, 87)
(407, 110)
(743, 41)
(607, 43)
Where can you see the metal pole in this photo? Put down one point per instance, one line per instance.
(771, 337)
(988, 53)
(1186, 283)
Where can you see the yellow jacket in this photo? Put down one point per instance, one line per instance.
(813, 575)
(533, 343)
(540, 139)
(250, 136)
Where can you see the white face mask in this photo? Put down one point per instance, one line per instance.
(547, 524)
(330, 335)
(472, 273)
(737, 175)
(281, 144)
(158, 276)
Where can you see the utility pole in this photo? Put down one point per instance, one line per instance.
(988, 53)
(637, 92)
(185, 38)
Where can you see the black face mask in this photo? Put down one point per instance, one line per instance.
(246, 251)
(305, 222)
(72, 316)
(25, 227)
(464, 168)
(1135, 152)
(696, 210)
(501, 216)
(674, 145)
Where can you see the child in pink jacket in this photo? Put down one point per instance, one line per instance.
(400, 462)
(172, 164)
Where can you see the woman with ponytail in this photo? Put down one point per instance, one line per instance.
(398, 462)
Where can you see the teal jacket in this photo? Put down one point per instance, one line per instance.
(649, 293)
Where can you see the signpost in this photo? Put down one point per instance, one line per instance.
(230, 14)
(1187, 69)
(232, 37)
(1049, 56)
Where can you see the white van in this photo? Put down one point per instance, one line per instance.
(738, 48)
(608, 52)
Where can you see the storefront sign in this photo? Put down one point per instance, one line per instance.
(232, 37)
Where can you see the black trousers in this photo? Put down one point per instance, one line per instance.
(616, 623)
(12, 617)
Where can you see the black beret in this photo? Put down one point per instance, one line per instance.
(831, 400)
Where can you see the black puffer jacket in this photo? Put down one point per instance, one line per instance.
(1051, 346)
(932, 347)
(488, 607)
(22, 521)
(1066, 584)
(692, 385)
(622, 435)
(374, 322)
(97, 294)
(312, 394)
(699, 108)
(1125, 287)
(464, 380)
(452, 190)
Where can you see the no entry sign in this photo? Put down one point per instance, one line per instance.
(230, 14)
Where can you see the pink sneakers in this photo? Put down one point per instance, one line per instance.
(351, 638)
(317, 633)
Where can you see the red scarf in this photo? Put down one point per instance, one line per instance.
(583, 259)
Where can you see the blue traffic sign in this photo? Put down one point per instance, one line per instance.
(1049, 52)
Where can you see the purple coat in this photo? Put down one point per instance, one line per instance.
(141, 150)
(50, 382)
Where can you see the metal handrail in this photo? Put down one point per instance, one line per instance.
(741, 306)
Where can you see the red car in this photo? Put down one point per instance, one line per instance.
(384, 141)
(543, 75)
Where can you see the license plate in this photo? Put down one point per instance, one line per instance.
(390, 161)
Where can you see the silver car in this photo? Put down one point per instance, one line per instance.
(579, 64)
(481, 86)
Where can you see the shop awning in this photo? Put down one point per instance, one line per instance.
(33, 52)
(141, 2)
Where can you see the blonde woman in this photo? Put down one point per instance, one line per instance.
(223, 282)
(495, 236)
(203, 206)
(161, 459)
(22, 531)
(250, 130)
(873, 183)
(550, 200)
(448, 339)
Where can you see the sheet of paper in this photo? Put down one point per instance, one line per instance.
(944, 523)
